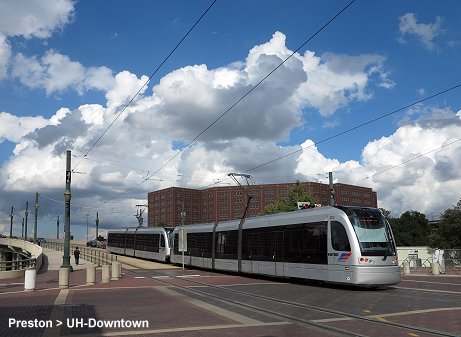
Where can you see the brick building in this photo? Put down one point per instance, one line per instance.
(225, 203)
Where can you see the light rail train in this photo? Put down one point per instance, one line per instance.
(338, 244)
(145, 242)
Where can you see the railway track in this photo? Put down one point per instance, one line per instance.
(193, 289)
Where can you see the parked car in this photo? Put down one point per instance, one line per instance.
(96, 244)
(92, 243)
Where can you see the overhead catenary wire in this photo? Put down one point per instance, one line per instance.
(318, 31)
(127, 211)
(354, 128)
(148, 80)
(414, 158)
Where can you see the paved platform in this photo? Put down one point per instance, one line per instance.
(140, 297)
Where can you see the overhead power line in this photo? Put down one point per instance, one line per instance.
(148, 80)
(414, 158)
(239, 100)
(354, 128)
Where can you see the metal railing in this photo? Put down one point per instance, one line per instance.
(94, 255)
(17, 264)
(446, 259)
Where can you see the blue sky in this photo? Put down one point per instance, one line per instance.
(68, 67)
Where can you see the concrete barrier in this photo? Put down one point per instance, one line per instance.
(105, 273)
(29, 279)
(115, 271)
(64, 277)
(406, 268)
(91, 274)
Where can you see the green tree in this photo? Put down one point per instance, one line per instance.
(289, 202)
(448, 235)
(411, 229)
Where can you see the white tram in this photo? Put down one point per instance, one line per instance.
(145, 242)
(352, 245)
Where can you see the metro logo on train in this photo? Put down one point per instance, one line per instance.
(344, 257)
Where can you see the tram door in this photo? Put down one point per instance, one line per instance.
(276, 250)
(339, 254)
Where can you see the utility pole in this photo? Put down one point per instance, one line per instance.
(242, 220)
(87, 215)
(25, 226)
(97, 225)
(57, 230)
(332, 191)
(11, 222)
(67, 197)
(35, 220)
(22, 231)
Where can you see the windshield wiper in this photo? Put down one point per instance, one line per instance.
(385, 253)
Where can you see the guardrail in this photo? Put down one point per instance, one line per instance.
(18, 264)
(94, 255)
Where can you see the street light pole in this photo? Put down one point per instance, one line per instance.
(36, 218)
(11, 222)
(25, 225)
(97, 225)
(87, 226)
(67, 197)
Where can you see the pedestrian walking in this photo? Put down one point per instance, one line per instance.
(76, 255)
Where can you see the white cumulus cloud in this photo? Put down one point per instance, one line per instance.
(56, 72)
(29, 18)
(424, 32)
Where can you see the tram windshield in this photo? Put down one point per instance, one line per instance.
(372, 230)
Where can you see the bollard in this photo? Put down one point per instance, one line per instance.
(29, 279)
(105, 273)
(406, 268)
(119, 268)
(115, 271)
(435, 268)
(64, 277)
(91, 275)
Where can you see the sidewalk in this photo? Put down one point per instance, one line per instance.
(48, 275)
(52, 260)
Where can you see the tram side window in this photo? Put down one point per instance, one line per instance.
(116, 240)
(198, 244)
(339, 239)
(207, 244)
(250, 245)
(176, 243)
(226, 244)
(130, 241)
(147, 242)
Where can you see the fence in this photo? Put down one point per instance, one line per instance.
(94, 255)
(423, 257)
(18, 264)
